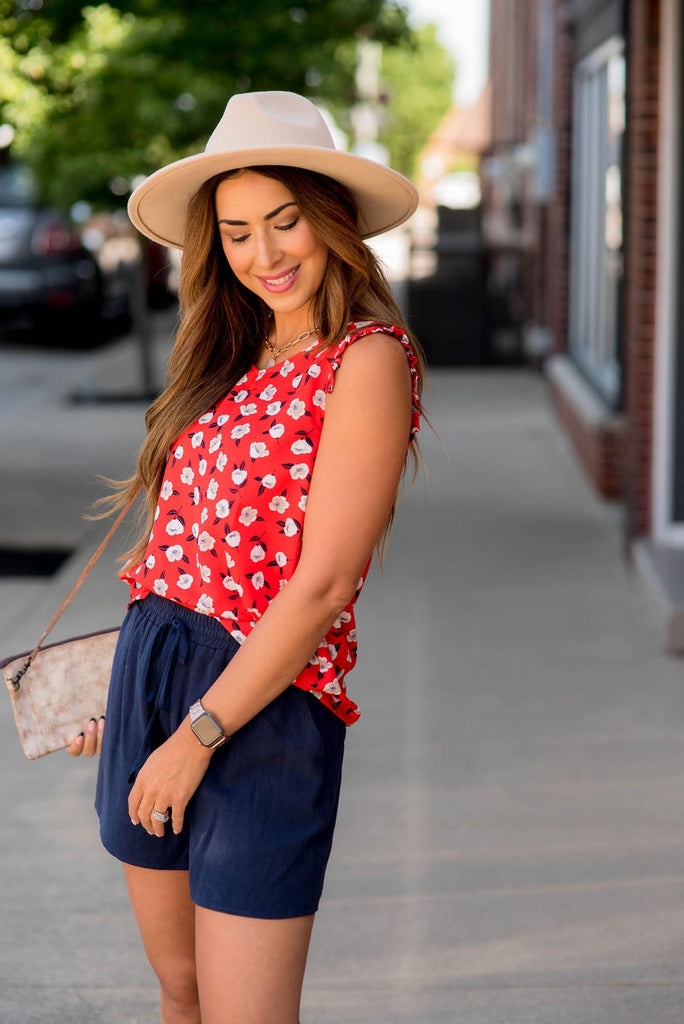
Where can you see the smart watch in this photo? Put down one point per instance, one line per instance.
(205, 727)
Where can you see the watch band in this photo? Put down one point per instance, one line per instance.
(205, 727)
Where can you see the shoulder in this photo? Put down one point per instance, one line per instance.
(369, 346)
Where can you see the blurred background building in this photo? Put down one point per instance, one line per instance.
(583, 182)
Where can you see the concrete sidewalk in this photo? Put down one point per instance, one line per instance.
(510, 841)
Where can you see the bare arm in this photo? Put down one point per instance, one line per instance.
(354, 484)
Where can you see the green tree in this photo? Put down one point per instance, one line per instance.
(103, 93)
(418, 76)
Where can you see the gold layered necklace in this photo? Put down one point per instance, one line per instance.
(278, 350)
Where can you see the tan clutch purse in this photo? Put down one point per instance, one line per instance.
(55, 690)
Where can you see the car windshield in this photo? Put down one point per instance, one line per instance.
(17, 186)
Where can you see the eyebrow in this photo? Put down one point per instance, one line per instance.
(268, 216)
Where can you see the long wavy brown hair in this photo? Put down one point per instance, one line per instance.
(222, 324)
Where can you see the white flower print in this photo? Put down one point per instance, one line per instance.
(156, 516)
(240, 396)
(247, 516)
(215, 444)
(205, 541)
(332, 687)
(257, 554)
(205, 573)
(196, 496)
(296, 409)
(197, 438)
(222, 508)
(222, 419)
(296, 381)
(205, 515)
(230, 584)
(195, 530)
(299, 471)
(185, 581)
(319, 398)
(233, 539)
(249, 409)
(230, 562)
(314, 370)
(342, 617)
(258, 580)
(277, 430)
(174, 527)
(205, 605)
(206, 418)
(160, 587)
(174, 553)
(212, 490)
(301, 446)
(238, 476)
(240, 430)
(281, 584)
(278, 503)
(274, 408)
(238, 636)
(221, 462)
(268, 481)
(202, 467)
(258, 450)
(268, 394)
(302, 502)
(286, 368)
(290, 528)
(166, 491)
(178, 454)
(281, 558)
(150, 561)
(187, 475)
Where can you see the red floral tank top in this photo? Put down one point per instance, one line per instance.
(228, 526)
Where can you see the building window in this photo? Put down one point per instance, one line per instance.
(596, 263)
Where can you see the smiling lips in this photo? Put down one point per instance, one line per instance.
(282, 283)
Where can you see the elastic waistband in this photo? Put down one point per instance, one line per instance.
(203, 627)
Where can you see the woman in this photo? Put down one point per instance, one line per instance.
(270, 469)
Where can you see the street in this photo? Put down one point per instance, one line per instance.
(510, 840)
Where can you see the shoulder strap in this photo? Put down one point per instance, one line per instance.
(73, 591)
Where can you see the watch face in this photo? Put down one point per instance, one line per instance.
(206, 730)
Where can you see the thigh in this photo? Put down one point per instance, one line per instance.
(166, 920)
(250, 970)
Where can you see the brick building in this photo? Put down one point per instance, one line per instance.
(584, 181)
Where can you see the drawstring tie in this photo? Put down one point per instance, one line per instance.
(166, 646)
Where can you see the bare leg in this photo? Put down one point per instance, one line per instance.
(166, 919)
(250, 971)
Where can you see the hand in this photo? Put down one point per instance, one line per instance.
(168, 779)
(88, 742)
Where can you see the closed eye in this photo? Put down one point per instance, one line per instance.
(288, 227)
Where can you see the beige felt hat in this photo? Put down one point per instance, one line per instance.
(278, 128)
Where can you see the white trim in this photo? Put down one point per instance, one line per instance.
(664, 530)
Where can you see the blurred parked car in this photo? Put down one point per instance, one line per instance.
(47, 275)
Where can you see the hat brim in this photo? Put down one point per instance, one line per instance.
(158, 207)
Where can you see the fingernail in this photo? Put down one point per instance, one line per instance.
(82, 735)
(93, 719)
(102, 718)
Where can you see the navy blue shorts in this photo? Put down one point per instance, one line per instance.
(259, 829)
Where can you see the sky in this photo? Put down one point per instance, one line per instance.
(463, 27)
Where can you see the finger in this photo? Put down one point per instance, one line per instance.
(150, 824)
(75, 748)
(100, 734)
(134, 799)
(177, 817)
(90, 742)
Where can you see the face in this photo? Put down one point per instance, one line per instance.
(269, 244)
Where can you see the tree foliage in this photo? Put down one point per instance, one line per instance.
(419, 78)
(111, 91)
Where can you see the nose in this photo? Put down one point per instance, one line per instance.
(268, 251)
